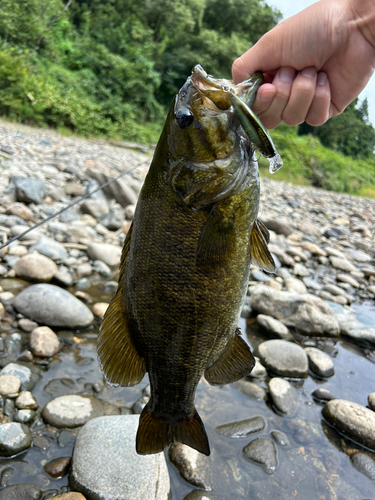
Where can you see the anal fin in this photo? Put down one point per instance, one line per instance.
(156, 433)
(235, 363)
(260, 255)
(119, 360)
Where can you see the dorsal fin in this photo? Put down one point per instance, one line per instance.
(260, 255)
(120, 362)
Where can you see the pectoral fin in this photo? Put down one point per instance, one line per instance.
(120, 362)
(236, 362)
(217, 240)
(260, 255)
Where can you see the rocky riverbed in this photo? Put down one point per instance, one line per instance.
(300, 426)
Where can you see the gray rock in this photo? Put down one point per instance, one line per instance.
(355, 325)
(319, 362)
(50, 248)
(259, 371)
(342, 264)
(29, 190)
(9, 385)
(14, 438)
(92, 185)
(71, 411)
(44, 342)
(279, 226)
(200, 495)
(250, 389)
(262, 451)
(364, 463)
(106, 444)
(306, 313)
(242, 428)
(64, 277)
(109, 254)
(21, 491)
(24, 416)
(358, 255)
(102, 268)
(274, 327)
(284, 358)
(29, 375)
(129, 212)
(35, 267)
(347, 278)
(51, 305)
(322, 395)
(69, 216)
(295, 285)
(284, 396)
(301, 270)
(95, 208)
(353, 420)
(280, 438)
(119, 190)
(194, 467)
(371, 400)
(26, 325)
(26, 401)
(113, 220)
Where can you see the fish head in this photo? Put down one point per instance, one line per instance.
(206, 142)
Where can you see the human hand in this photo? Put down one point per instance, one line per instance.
(314, 63)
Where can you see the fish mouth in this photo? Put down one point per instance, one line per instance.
(214, 91)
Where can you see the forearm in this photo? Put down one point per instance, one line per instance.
(363, 12)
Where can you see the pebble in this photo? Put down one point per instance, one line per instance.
(319, 362)
(371, 400)
(20, 210)
(109, 254)
(99, 309)
(278, 226)
(200, 495)
(106, 444)
(68, 496)
(29, 190)
(14, 438)
(262, 451)
(27, 374)
(353, 420)
(50, 248)
(284, 396)
(364, 463)
(193, 467)
(323, 395)
(307, 313)
(71, 411)
(27, 325)
(35, 267)
(26, 401)
(44, 342)
(342, 264)
(283, 358)
(295, 285)
(21, 491)
(250, 389)
(58, 467)
(274, 327)
(95, 208)
(280, 438)
(242, 428)
(259, 371)
(53, 306)
(9, 385)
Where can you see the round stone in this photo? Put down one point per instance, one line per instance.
(262, 451)
(24, 491)
(28, 375)
(353, 420)
(53, 306)
(194, 467)
(9, 384)
(284, 396)
(283, 358)
(109, 254)
(35, 267)
(273, 326)
(50, 248)
(14, 438)
(26, 401)
(58, 467)
(364, 463)
(371, 400)
(71, 411)
(242, 428)
(44, 342)
(319, 362)
(342, 264)
(99, 309)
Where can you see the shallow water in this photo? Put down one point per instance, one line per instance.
(315, 465)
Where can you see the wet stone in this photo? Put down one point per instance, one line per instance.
(26, 401)
(44, 342)
(106, 444)
(193, 466)
(273, 327)
(353, 420)
(9, 384)
(24, 416)
(250, 389)
(283, 358)
(259, 371)
(280, 438)
(371, 400)
(26, 325)
(14, 438)
(242, 428)
(24, 491)
(200, 495)
(262, 451)
(53, 306)
(69, 496)
(58, 467)
(322, 395)
(28, 375)
(41, 442)
(284, 396)
(100, 308)
(365, 464)
(71, 411)
(6, 476)
(342, 264)
(319, 362)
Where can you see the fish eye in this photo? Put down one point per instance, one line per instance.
(184, 117)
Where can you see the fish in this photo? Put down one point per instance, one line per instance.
(185, 264)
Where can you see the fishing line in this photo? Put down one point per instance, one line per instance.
(15, 238)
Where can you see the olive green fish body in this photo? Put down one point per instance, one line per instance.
(185, 268)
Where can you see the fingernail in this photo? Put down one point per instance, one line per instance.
(322, 79)
(287, 75)
(308, 72)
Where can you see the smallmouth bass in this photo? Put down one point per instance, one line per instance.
(185, 264)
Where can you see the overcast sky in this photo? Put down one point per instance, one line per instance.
(291, 7)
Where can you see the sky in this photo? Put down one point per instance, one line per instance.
(291, 7)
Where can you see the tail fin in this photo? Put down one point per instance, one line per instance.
(156, 433)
